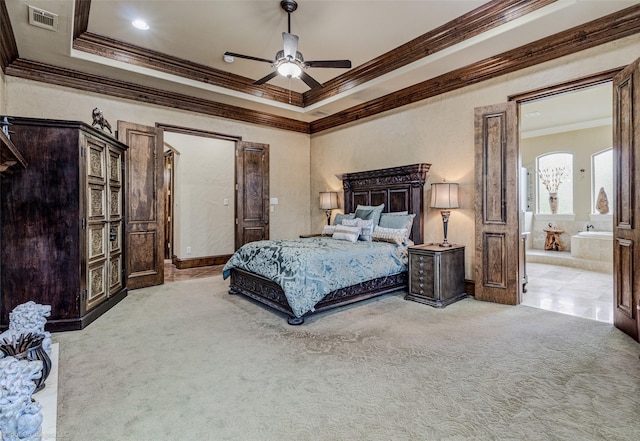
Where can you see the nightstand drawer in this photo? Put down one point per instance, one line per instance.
(436, 274)
(421, 274)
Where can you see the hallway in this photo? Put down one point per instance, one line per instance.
(572, 291)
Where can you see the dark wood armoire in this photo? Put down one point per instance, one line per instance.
(62, 222)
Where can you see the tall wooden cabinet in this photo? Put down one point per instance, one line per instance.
(62, 222)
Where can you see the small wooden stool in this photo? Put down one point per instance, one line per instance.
(553, 242)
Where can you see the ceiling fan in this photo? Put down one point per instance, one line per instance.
(289, 62)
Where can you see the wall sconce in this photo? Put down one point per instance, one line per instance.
(328, 202)
(444, 195)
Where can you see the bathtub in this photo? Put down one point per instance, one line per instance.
(593, 245)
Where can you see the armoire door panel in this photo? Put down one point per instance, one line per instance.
(95, 161)
(96, 286)
(115, 167)
(97, 202)
(115, 274)
(115, 237)
(97, 242)
(115, 203)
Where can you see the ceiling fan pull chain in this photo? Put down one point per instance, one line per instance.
(289, 90)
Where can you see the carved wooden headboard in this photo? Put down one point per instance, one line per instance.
(398, 188)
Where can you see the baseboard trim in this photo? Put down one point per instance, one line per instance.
(197, 262)
(470, 287)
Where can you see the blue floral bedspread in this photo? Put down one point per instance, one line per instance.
(308, 269)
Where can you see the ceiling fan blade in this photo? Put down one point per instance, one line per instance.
(248, 57)
(343, 64)
(266, 78)
(310, 81)
(290, 43)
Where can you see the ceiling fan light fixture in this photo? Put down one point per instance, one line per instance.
(140, 24)
(289, 69)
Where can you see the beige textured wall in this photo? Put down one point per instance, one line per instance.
(204, 177)
(440, 131)
(289, 151)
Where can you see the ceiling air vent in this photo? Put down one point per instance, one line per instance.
(43, 19)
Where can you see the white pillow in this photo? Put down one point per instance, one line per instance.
(392, 235)
(344, 232)
(366, 227)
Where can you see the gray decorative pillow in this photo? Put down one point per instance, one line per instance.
(366, 227)
(340, 217)
(397, 221)
(392, 235)
(366, 212)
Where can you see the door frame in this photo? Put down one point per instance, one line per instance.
(169, 192)
(558, 89)
(238, 178)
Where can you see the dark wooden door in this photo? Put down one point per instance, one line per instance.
(145, 204)
(252, 192)
(496, 204)
(626, 150)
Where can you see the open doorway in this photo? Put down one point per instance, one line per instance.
(201, 199)
(567, 201)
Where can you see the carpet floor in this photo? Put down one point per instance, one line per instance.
(188, 361)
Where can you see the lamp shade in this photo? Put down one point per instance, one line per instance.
(444, 195)
(328, 200)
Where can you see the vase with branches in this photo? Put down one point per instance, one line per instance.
(551, 178)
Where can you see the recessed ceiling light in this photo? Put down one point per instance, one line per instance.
(140, 24)
(532, 114)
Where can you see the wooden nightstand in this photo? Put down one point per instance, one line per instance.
(436, 274)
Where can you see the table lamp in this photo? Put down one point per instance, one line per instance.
(328, 202)
(444, 195)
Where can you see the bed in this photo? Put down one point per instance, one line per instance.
(399, 189)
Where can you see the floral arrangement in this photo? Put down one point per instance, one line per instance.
(552, 178)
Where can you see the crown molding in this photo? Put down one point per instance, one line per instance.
(8, 47)
(482, 19)
(597, 32)
(606, 29)
(46, 73)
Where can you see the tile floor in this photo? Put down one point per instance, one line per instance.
(570, 291)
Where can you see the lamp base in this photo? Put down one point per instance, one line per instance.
(445, 223)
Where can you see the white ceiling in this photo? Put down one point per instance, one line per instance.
(582, 109)
(201, 31)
